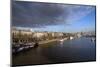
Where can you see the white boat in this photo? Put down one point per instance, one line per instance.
(79, 35)
(61, 40)
(71, 38)
(93, 39)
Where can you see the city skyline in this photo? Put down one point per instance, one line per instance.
(53, 17)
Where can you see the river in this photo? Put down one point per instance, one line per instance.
(76, 50)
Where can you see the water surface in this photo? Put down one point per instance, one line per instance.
(76, 50)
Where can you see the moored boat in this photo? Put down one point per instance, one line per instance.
(71, 37)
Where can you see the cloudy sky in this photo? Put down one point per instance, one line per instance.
(53, 17)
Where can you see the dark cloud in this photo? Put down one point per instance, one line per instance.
(35, 14)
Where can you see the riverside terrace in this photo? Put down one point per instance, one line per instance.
(19, 35)
(26, 39)
(29, 36)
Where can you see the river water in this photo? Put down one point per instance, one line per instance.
(76, 50)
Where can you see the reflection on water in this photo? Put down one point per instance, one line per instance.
(81, 49)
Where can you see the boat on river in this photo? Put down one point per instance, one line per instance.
(61, 40)
(93, 39)
(71, 37)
